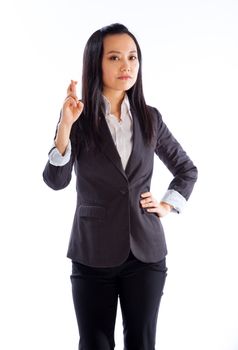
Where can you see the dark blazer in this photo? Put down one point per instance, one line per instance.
(109, 220)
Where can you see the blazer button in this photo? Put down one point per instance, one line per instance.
(123, 192)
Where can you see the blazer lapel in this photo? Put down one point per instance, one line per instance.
(136, 139)
(109, 148)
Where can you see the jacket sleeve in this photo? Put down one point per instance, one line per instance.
(58, 176)
(56, 158)
(175, 159)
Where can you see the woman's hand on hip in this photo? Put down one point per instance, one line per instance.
(152, 206)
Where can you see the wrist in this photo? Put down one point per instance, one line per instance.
(167, 206)
(66, 126)
(62, 137)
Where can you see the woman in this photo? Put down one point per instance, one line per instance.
(117, 244)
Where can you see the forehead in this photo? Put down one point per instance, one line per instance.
(118, 42)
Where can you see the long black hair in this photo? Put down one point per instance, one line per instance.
(92, 86)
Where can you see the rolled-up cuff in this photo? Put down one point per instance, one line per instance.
(56, 158)
(175, 199)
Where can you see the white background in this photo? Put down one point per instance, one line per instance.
(190, 71)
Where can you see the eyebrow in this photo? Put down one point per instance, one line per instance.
(114, 51)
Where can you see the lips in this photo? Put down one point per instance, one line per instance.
(125, 77)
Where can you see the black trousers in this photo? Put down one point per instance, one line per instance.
(139, 287)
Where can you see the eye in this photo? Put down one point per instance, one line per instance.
(133, 58)
(114, 58)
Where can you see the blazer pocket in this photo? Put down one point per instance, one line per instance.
(91, 211)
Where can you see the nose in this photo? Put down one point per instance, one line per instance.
(125, 66)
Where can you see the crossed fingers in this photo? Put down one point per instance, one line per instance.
(71, 92)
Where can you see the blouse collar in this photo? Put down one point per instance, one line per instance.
(125, 105)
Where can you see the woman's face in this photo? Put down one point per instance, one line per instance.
(120, 63)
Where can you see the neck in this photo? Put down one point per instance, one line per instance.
(115, 98)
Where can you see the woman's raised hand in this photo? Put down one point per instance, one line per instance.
(72, 107)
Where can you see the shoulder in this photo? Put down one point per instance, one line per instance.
(155, 115)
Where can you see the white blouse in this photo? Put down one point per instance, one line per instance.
(121, 130)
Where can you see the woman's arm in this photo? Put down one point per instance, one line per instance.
(57, 173)
(176, 160)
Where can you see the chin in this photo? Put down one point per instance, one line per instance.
(126, 85)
